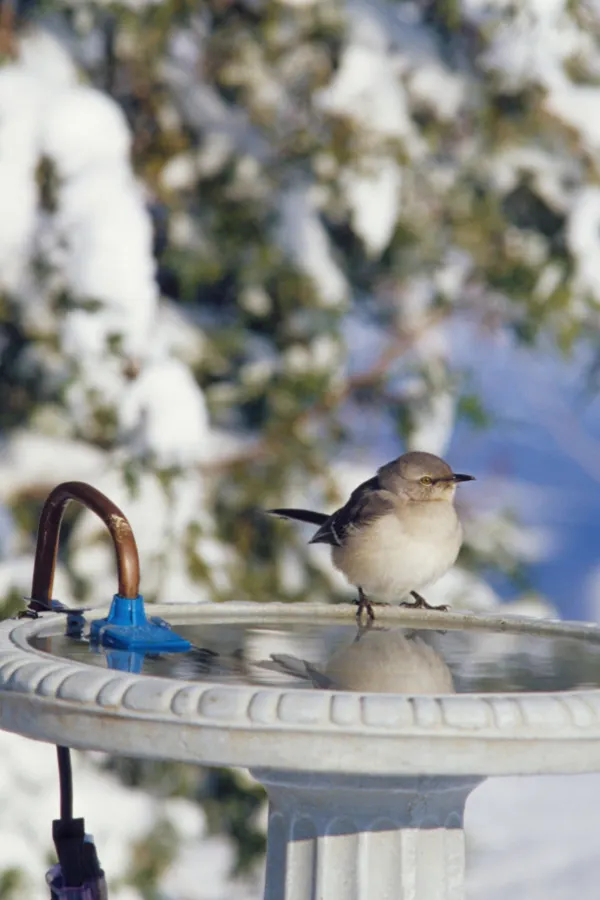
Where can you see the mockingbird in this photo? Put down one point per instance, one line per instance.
(393, 661)
(398, 532)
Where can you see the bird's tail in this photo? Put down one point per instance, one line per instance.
(302, 515)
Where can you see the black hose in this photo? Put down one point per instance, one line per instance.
(65, 780)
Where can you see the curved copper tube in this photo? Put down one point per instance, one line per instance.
(128, 565)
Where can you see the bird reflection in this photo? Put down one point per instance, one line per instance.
(383, 660)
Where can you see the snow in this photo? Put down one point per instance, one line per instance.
(221, 127)
(528, 836)
(19, 103)
(47, 60)
(426, 385)
(461, 589)
(530, 48)
(29, 458)
(163, 414)
(177, 332)
(433, 419)
(373, 198)
(321, 354)
(367, 92)
(548, 174)
(84, 127)
(533, 837)
(438, 89)
(26, 86)
(577, 106)
(303, 237)
(104, 224)
(530, 43)
(161, 516)
(15, 578)
(298, 4)
(364, 89)
(8, 532)
(117, 817)
(101, 219)
(489, 535)
(127, 352)
(180, 172)
(583, 239)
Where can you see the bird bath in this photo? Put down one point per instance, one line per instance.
(368, 743)
(366, 789)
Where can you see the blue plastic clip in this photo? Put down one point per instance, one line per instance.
(127, 628)
(124, 660)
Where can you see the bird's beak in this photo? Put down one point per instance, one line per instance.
(457, 477)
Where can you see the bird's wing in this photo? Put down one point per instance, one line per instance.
(367, 503)
(299, 668)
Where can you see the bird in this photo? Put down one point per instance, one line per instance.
(397, 533)
(391, 661)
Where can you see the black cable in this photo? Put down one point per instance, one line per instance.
(68, 833)
(65, 780)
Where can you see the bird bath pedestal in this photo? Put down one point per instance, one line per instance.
(366, 790)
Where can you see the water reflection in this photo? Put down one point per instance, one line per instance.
(332, 655)
(384, 660)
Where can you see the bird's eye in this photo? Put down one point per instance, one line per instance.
(426, 480)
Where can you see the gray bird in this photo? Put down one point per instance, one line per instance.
(392, 661)
(398, 532)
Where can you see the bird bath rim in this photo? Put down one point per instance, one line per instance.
(49, 698)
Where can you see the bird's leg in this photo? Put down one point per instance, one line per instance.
(362, 628)
(421, 603)
(364, 604)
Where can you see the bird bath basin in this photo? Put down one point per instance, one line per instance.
(368, 743)
(319, 647)
(367, 788)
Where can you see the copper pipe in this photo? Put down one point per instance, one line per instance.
(7, 29)
(128, 565)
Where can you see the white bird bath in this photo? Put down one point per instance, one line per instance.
(368, 755)
(366, 790)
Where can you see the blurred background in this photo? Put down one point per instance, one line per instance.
(250, 251)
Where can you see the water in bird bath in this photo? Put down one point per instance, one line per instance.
(330, 654)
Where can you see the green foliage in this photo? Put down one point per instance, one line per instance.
(12, 883)
(471, 409)
(232, 806)
(230, 802)
(151, 856)
(11, 603)
(274, 364)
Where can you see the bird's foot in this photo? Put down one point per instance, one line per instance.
(421, 603)
(364, 605)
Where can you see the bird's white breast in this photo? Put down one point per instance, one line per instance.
(403, 552)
